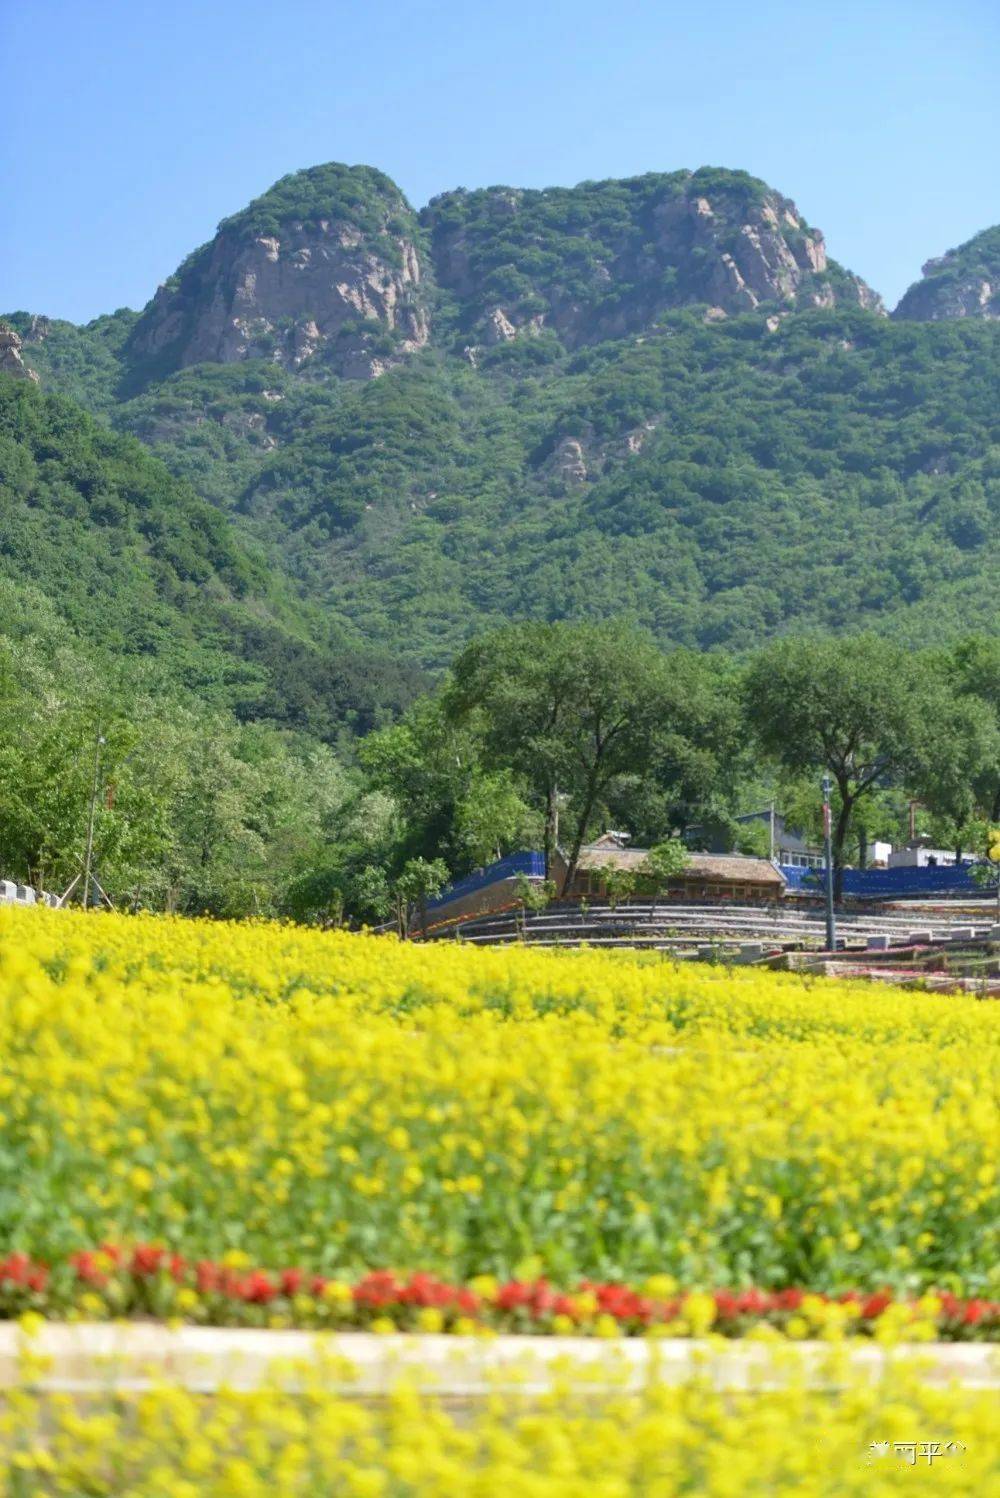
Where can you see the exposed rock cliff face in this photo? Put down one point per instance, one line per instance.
(11, 362)
(330, 278)
(605, 259)
(963, 283)
(330, 272)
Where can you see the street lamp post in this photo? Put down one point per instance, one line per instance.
(831, 920)
(89, 855)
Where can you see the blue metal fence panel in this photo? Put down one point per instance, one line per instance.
(530, 864)
(860, 883)
(889, 883)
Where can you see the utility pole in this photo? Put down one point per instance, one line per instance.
(831, 921)
(89, 856)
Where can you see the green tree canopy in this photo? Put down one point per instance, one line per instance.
(866, 711)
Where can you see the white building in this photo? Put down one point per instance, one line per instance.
(926, 858)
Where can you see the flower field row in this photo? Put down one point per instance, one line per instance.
(298, 1097)
(852, 1440)
(149, 1280)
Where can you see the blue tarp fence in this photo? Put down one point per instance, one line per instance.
(889, 883)
(859, 883)
(531, 864)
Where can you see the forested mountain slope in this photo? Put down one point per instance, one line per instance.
(655, 398)
(137, 565)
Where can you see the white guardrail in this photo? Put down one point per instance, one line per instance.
(127, 1357)
(24, 894)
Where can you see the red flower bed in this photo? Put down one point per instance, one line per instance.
(149, 1279)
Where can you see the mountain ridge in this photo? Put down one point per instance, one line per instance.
(582, 431)
(333, 268)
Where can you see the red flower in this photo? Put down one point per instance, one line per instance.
(753, 1303)
(87, 1270)
(380, 1288)
(258, 1288)
(512, 1296)
(291, 1281)
(147, 1259)
(541, 1299)
(875, 1304)
(16, 1268)
(623, 1303)
(425, 1290)
(207, 1277)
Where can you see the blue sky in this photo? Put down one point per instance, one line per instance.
(130, 127)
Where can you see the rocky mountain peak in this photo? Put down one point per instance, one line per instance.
(11, 359)
(965, 282)
(330, 272)
(606, 258)
(324, 271)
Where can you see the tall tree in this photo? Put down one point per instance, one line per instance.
(865, 710)
(976, 665)
(448, 803)
(566, 707)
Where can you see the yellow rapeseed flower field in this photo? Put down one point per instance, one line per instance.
(260, 1094)
(345, 1102)
(900, 1437)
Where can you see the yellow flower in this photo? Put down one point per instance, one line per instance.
(584, 1304)
(324, 1098)
(276, 1440)
(660, 1286)
(337, 1293)
(699, 1312)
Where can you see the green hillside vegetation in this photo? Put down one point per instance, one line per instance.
(979, 256)
(598, 247)
(83, 362)
(973, 264)
(259, 582)
(359, 195)
(96, 521)
(197, 811)
(136, 564)
(715, 480)
(838, 470)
